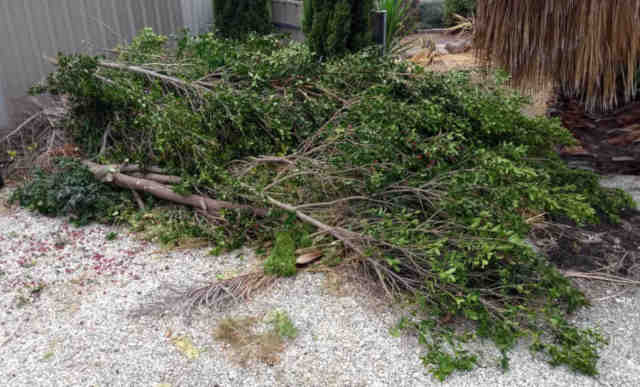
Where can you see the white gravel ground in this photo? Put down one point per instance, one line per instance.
(76, 331)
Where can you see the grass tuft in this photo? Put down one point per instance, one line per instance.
(248, 343)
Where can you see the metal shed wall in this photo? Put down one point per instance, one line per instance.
(30, 29)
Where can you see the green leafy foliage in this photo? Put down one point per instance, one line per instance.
(143, 47)
(336, 27)
(237, 18)
(190, 142)
(571, 346)
(282, 325)
(432, 177)
(71, 190)
(176, 227)
(444, 364)
(399, 18)
(282, 260)
(458, 7)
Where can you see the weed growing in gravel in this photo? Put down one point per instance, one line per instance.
(29, 294)
(282, 325)
(172, 227)
(247, 343)
(236, 332)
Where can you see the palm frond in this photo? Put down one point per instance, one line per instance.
(589, 48)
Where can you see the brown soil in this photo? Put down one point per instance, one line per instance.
(606, 248)
(441, 63)
(608, 143)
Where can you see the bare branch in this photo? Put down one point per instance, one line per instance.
(153, 74)
(21, 126)
(108, 174)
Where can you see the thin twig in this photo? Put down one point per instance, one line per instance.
(600, 277)
(153, 74)
(138, 199)
(105, 139)
(326, 204)
(21, 126)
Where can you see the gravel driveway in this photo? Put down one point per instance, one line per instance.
(66, 294)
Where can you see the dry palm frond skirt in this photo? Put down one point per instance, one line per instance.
(589, 48)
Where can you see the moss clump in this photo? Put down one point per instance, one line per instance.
(282, 260)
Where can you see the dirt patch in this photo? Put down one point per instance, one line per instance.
(608, 143)
(247, 343)
(436, 37)
(417, 44)
(607, 249)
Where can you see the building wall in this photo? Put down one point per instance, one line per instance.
(31, 29)
(4, 112)
(287, 16)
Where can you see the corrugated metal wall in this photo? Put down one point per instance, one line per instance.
(287, 16)
(4, 112)
(197, 15)
(30, 29)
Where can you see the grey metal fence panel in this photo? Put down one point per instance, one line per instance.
(4, 112)
(287, 16)
(30, 29)
(198, 15)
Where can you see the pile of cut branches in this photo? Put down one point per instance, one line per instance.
(426, 183)
(34, 142)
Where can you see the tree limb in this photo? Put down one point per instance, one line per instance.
(160, 178)
(108, 174)
(21, 126)
(153, 74)
(338, 233)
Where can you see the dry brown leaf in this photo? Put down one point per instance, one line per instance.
(625, 139)
(309, 257)
(186, 347)
(576, 150)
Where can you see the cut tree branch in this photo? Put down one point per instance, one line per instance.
(108, 174)
(160, 178)
(21, 126)
(141, 70)
(153, 74)
(345, 236)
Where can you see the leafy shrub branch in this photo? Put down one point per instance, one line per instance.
(426, 183)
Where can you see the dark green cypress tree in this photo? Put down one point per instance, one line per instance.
(361, 33)
(339, 28)
(236, 18)
(333, 27)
